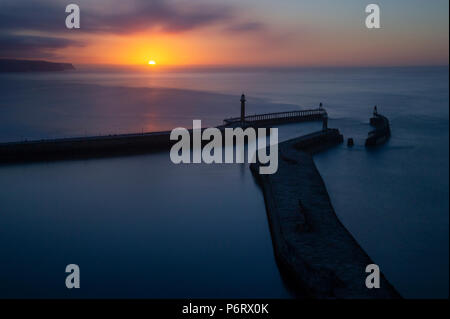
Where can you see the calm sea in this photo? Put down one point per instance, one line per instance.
(142, 227)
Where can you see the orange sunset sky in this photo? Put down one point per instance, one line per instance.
(246, 32)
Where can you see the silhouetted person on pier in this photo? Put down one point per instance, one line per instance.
(375, 111)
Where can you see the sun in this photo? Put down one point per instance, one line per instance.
(151, 62)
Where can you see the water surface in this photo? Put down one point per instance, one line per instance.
(143, 227)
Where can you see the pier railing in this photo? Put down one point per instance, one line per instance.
(290, 116)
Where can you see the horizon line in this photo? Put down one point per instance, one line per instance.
(259, 66)
(227, 66)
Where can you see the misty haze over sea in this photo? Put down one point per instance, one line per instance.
(142, 227)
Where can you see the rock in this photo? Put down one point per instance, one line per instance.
(350, 142)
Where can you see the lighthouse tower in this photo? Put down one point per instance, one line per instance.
(243, 109)
(325, 122)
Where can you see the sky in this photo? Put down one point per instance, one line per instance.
(227, 32)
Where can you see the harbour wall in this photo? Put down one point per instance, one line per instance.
(84, 147)
(93, 147)
(315, 252)
(131, 144)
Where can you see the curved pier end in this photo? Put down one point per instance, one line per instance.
(382, 130)
(315, 252)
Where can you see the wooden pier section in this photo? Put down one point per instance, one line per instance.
(278, 118)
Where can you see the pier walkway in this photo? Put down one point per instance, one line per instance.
(278, 118)
(317, 255)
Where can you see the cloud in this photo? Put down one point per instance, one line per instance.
(30, 15)
(41, 24)
(162, 15)
(246, 27)
(114, 16)
(19, 46)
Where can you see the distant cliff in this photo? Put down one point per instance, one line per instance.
(11, 65)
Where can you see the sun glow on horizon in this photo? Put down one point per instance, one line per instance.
(151, 62)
